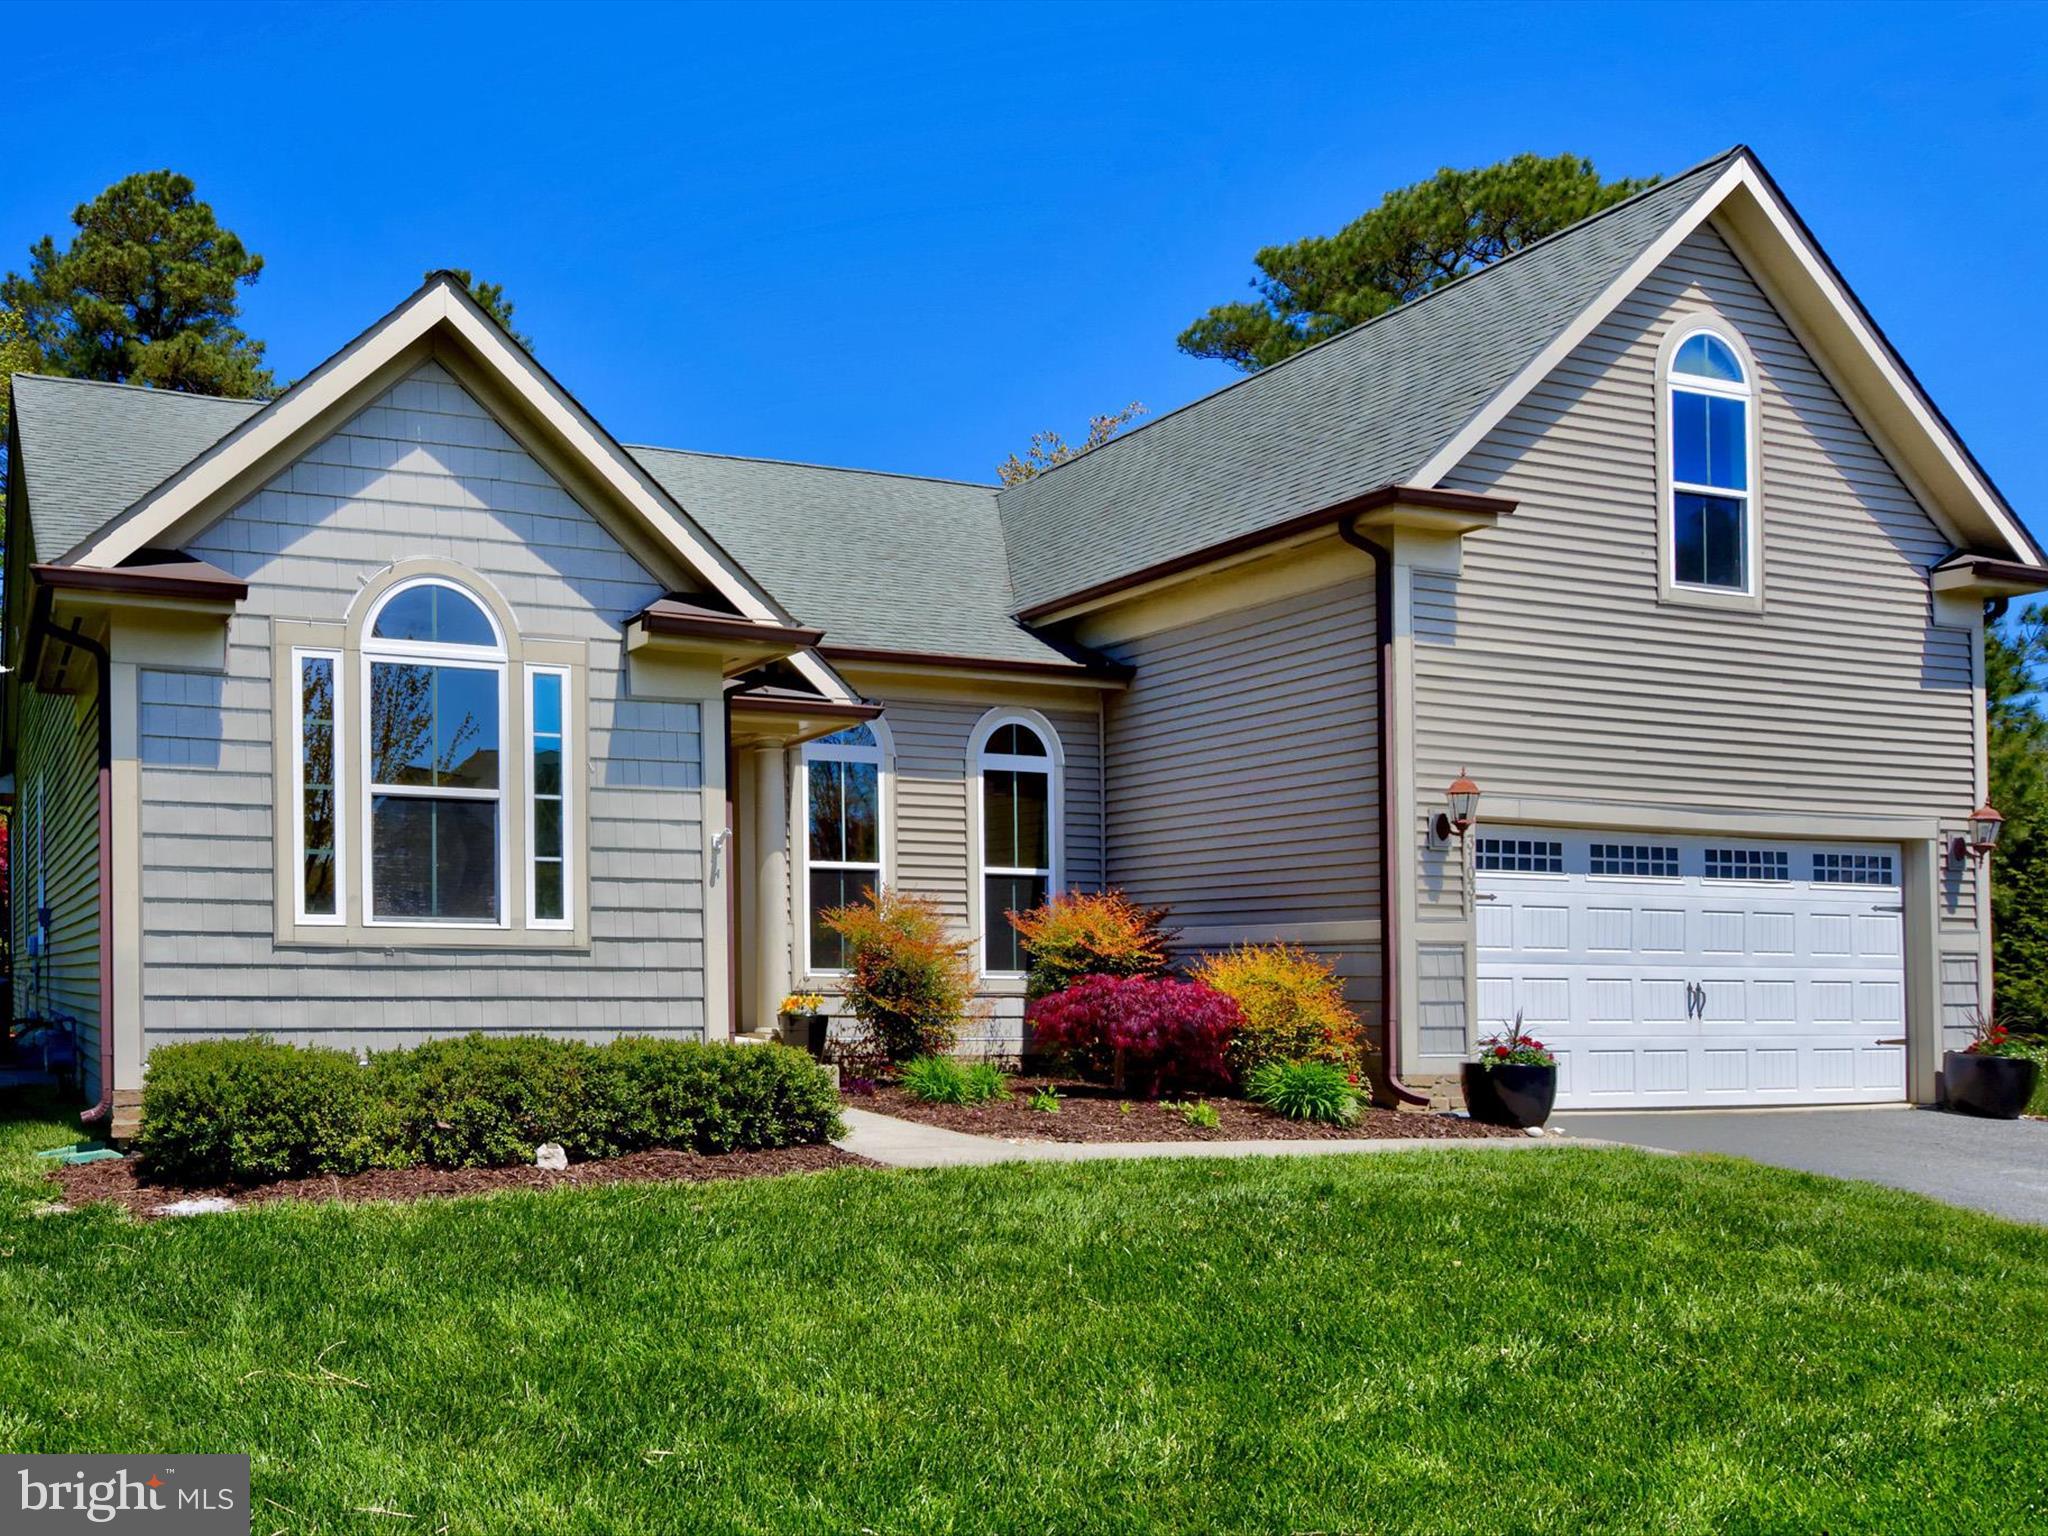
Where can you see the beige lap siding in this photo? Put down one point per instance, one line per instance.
(1243, 778)
(1549, 668)
(424, 471)
(55, 830)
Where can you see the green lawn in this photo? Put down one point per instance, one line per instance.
(1446, 1341)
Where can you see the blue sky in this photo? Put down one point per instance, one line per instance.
(905, 237)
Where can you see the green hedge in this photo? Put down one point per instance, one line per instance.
(250, 1110)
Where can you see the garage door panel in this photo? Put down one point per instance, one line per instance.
(1699, 971)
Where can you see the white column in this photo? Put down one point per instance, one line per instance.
(770, 935)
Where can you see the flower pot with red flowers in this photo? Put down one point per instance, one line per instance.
(1514, 1081)
(1993, 1077)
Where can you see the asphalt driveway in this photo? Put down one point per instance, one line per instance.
(2000, 1166)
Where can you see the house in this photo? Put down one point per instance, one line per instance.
(411, 701)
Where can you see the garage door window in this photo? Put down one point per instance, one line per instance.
(1853, 869)
(1520, 855)
(1748, 864)
(1646, 859)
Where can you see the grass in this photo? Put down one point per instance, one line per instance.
(1563, 1340)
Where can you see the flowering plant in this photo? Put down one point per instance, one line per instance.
(1514, 1047)
(803, 1002)
(1991, 1038)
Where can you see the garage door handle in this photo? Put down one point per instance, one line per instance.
(1898, 1040)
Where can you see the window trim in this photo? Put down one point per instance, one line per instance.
(345, 635)
(884, 758)
(566, 795)
(978, 870)
(1750, 596)
(475, 658)
(332, 655)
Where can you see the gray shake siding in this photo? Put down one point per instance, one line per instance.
(424, 471)
(1243, 778)
(1550, 668)
(53, 863)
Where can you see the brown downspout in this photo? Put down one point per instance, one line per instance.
(72, 639)
(1390, 827)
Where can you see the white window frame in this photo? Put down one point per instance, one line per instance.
(433, 653)
(566, 795)
(301, 654)
(979, 759)
(882, 755)
(1670, 383)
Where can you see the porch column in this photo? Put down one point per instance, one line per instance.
(769, 939)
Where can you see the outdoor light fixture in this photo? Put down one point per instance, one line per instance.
(1985, 825)
(1463, 799)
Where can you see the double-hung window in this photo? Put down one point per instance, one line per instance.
(843, 847)
(1710, 421)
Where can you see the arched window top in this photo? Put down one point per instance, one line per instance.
(1015, 739)
(437, 613)
(1705, 356)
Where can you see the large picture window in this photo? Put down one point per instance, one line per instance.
(1710, 422)
(434, 688)
(843, 834)
(1017, 772)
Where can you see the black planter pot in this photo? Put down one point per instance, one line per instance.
(1513, 1096)
(1996, 1087)
(807, 1032)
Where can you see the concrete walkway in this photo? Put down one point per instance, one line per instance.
(2000, 1166)
(908, 1144)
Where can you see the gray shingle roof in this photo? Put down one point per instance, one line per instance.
(896, 562)
(879, 561)
(1365, 409)
(90, 449)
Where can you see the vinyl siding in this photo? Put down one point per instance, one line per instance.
(1550, 669)
(1243, 776)
(55, 836)
(424, 471)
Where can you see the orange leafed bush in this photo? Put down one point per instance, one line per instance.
(1293, 1007)
(1085, 933)
(908, 981)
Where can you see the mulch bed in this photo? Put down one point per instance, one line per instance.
(1089, 1112)
(120, 1183)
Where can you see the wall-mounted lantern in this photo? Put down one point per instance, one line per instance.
(1463, 801)
(1985, 825)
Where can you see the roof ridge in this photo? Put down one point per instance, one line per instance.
(1407, 308)
(837, 469)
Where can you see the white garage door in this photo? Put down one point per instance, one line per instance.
(1672, 970)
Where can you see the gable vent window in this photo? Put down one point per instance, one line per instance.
(1748, 864)
(1634, 859)
(1709, 409)
(1854, 869)
(1519, 855)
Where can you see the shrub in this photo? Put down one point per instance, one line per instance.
(1293, 1007)
(1200, 1115)
(907, 983)
(1079, 934)
(943, 1080)
(482, 1101)
(235, 1111)
(1143, 1030)
(1305, 1090)
(637, 1093)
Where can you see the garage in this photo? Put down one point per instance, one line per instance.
(1696, 970)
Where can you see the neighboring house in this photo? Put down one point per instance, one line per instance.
(411, 702)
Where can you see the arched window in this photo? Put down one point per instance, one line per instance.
(842, 791)
(434, 670)
(1017, 789)
(1710, 500)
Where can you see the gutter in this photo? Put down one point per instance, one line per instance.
(1390, 828)
(72, 639)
